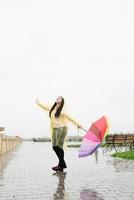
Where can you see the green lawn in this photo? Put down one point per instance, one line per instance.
(124, 155)
(73, 145)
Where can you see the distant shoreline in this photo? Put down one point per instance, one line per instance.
(68, 139)
(47, 139)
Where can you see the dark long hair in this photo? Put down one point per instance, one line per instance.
(58, 112)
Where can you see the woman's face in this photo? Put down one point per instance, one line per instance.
(58, 100)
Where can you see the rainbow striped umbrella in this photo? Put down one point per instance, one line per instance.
(94, 137)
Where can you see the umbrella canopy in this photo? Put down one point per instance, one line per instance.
(94, 136)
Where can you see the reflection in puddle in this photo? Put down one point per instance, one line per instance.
(123, 165)
(4, 158)
(87, 194)
(119, 164)
(60, 192)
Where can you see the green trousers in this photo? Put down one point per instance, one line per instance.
(58, 136)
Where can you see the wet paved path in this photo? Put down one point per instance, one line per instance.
(26, 174)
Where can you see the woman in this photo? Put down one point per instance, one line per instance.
(58, 121)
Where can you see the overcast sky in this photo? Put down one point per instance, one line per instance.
(82, 50)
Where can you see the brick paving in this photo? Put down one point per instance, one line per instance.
(26, 174)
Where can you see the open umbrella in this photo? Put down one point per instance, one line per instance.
(94, 136)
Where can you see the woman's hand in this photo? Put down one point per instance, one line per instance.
(79, 126)
(37, 101)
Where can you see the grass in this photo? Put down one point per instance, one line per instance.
(104, 145)
(124, 155)
(73, 145)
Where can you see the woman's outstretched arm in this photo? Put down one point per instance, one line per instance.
(42, 105)
(73, 121)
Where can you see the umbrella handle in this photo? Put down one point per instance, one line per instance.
(84, 130)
